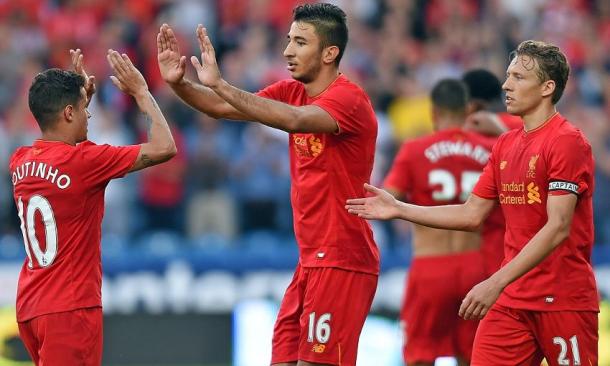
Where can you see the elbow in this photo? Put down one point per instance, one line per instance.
(168, 152)
(474, 223)
(296, 122)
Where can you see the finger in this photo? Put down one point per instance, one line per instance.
(159, 43)
(171, 39)
(127, 60)
(119, 63)
(196, 63)
(200, 38)
(182, 64)
(117, 83)
(112, 60)
(476, 312)
(356, 201)
(464, 306)
(79, 64)
(209, 49)
(372, 188)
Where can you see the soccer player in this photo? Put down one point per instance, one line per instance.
(440, 169)
(58, 186)
(543, 302)
(332, 131)
(486, 112)
(485, 117)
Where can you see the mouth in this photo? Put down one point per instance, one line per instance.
(508, 100)
(291, 66)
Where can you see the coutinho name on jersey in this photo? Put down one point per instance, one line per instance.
(40, 170)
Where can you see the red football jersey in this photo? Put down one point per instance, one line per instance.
(59, 193)
(524, 168)
(326, 169)
(511, 122)
(439, 169)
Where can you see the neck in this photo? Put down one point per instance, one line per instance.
(538, 116)
(324, 79)
(449, 122)
(57, 136)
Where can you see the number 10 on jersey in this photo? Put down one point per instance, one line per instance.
(28, 229)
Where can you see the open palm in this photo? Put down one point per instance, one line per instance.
(171, 64)
(207, 70)
(380, 206)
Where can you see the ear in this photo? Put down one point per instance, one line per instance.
(69, 113)
(329, 54)
(548, 88)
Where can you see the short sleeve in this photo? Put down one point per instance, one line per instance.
(106, 162)
(569, 165)
(399, 177)
(275, 91)
(348, 107)
(486, 185)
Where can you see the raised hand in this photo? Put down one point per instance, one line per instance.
(77, 64)
(207, 71)
(126, 77)
(381, 206)
(171, 64)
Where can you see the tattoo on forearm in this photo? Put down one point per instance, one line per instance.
(146, 161)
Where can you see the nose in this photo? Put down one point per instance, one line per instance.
(288, 51)
(506, 85)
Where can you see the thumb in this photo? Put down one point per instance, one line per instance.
(92, 79)
(196, 64)
(117, 83)
(182, 63)
(371, 188)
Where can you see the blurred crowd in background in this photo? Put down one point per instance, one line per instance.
(231, 179)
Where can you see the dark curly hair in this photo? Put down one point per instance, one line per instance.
(51, 91)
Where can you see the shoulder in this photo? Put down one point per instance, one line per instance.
(569, 136)
(345, 86)
(18, 154)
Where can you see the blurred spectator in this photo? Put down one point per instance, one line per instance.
(397, 50)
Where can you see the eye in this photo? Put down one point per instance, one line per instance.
(301, 43)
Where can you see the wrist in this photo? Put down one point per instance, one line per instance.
(219, 85)
(141, 94)
(176, 84)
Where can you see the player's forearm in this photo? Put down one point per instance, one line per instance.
(159, 134)
(205, 100)
(266, 111)
(450, 217)
(534, 252)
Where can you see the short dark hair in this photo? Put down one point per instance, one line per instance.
(483, 85)
(51, 91)
(552, 64)
(450, 95)
(329, 22)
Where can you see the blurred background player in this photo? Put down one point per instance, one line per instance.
(58, 186)
(332, 129)
(547, 302)
(486, 114)
(486, 111)
(440, 169)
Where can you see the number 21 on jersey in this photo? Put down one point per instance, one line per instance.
(28, 229)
